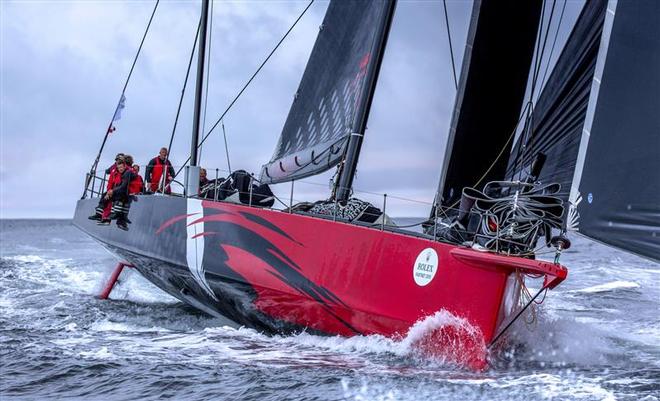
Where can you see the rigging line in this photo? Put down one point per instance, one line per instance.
(249, 81)
(183, 92)
(538, 59)
(128, 78)
(208, 78)
(536, 74)
(545, 41)
(451, 49)
(552, 49)
(224, 135)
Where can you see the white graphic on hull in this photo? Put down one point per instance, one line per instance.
(195, 244)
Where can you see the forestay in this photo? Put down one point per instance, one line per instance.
(320, 121)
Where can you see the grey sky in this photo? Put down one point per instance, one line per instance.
(64, 64)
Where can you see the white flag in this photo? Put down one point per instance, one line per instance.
(120, 107)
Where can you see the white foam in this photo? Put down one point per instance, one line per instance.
(107, 325)
(101, 353)
(612, 286)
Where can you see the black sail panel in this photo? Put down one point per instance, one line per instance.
(316, 132)
(496, 62)
(618, 173)
(559, 114)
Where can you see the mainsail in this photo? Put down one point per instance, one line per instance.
(496, 61)
(324, 110)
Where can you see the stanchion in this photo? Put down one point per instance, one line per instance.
(382, 225)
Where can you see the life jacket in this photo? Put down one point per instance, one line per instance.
(136, 185)
(157, 173)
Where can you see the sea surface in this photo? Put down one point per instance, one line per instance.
(595, 337)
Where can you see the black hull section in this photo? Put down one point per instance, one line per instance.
(158, 256)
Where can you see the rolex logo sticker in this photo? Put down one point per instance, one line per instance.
(425, 267)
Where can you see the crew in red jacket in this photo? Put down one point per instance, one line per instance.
(136, 186)
(155, 171)
(104, 207)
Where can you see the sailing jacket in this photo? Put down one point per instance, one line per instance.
(114, 178)
(154, 172)
(120, 191)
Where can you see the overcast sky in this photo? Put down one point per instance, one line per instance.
(63, 65)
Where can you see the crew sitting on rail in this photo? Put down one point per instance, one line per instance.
(104, 208)
(110, 169)
(120, 198)
(136, 184)
(154, 173)
(114, 190)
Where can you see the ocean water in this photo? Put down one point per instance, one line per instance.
(595, 337)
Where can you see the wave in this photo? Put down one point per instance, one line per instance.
(607, 287)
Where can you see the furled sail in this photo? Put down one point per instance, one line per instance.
(598, 122)
(496, 62)
(321, 119)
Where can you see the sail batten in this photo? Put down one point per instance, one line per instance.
(321, 119)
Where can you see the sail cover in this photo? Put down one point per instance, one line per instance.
(496, 62)
(598, 122)
(320, 121)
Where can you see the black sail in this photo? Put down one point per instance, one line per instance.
(496, 62)
(559, 113)
(322, 115)
(616, 189)
(598, 122)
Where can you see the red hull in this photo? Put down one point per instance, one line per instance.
(332, 277)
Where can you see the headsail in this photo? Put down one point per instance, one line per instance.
(560, 111)
(497, 58)
(320, 121)
(597, 121)
(618, 166)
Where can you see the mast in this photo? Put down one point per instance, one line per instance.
(199, 84)
(347, 171)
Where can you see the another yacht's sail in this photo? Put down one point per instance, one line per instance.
(598, 122)
(320, 121)
(496, 61)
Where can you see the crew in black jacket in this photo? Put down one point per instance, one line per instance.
(121, 199)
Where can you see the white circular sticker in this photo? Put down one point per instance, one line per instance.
(425, 267)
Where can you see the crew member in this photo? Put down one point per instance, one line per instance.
(104, 207)
(137, 184)
(203, 180)
(114, 165)
(155, 174)
(120, 197)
